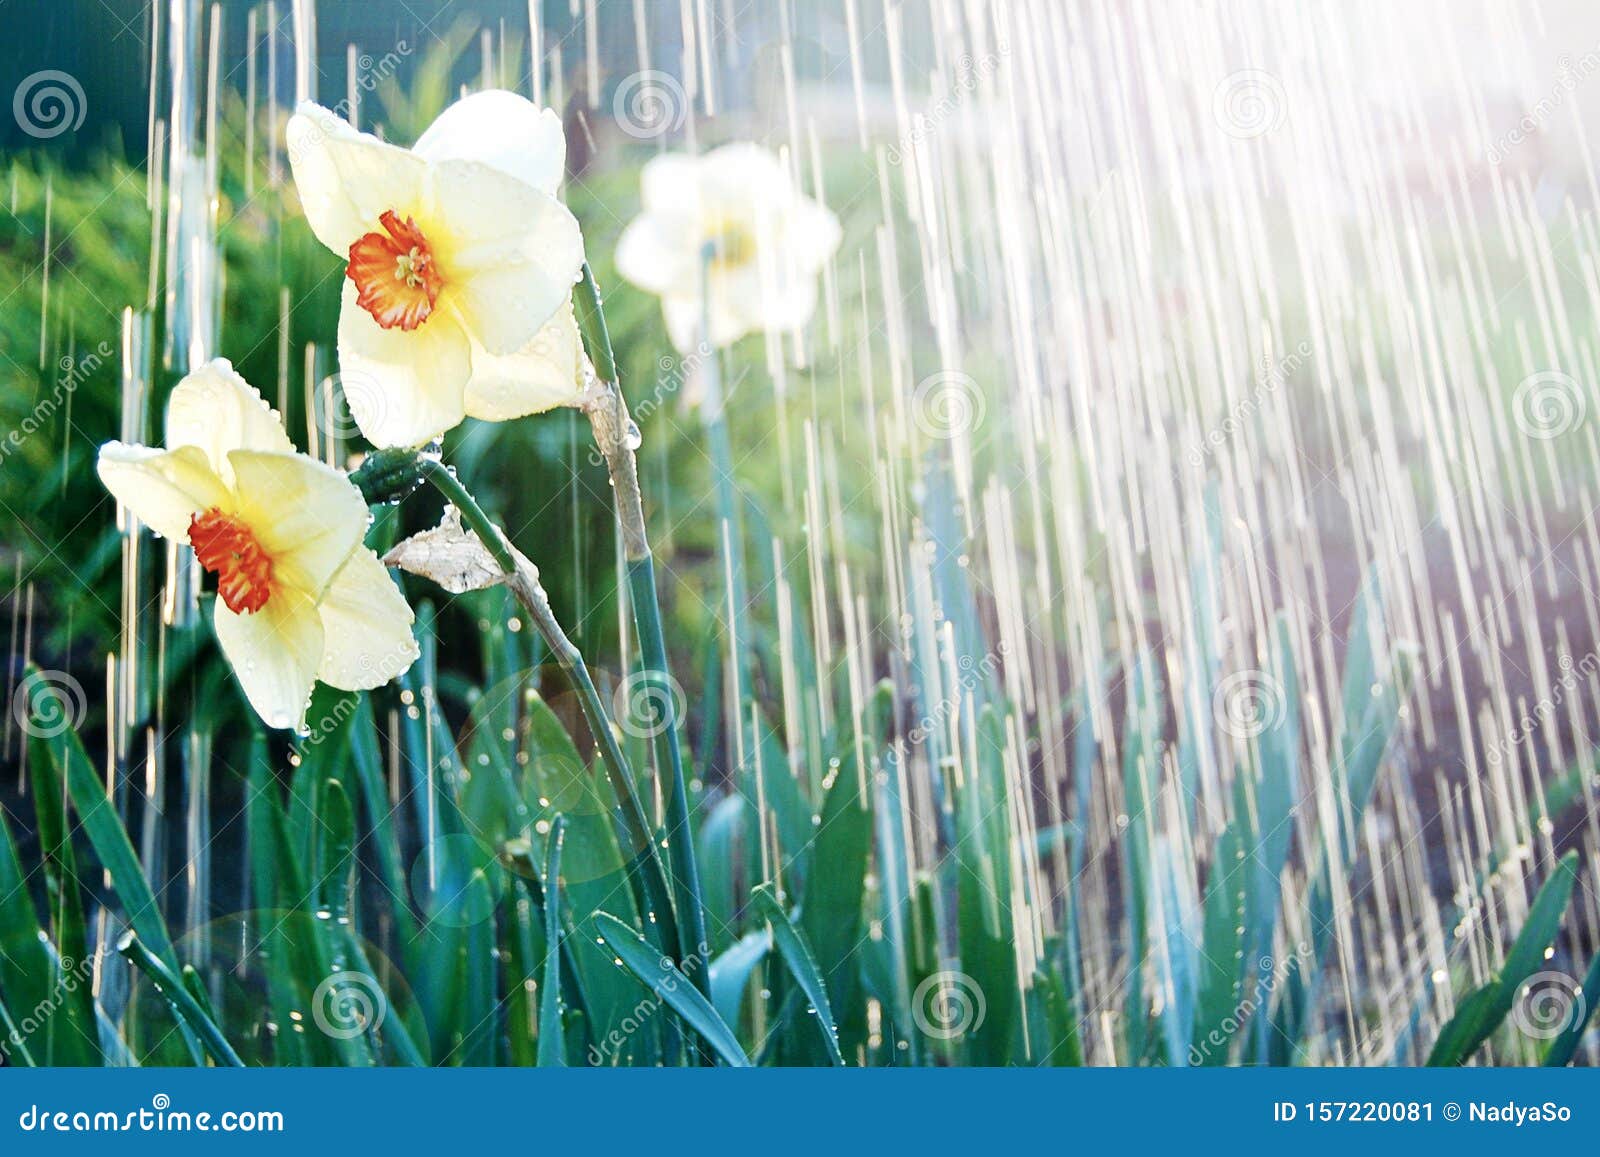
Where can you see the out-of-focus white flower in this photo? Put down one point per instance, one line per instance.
(299, 597)
(768, 243)
(461, 262)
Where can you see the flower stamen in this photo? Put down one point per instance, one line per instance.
(395, 274)
(226, 547)
(732, 243)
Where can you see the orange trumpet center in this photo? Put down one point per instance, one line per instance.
(396, 279)
(227, 549)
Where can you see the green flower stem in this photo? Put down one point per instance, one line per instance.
(592, 324)
(616, 437)
(447, 484)
(730, 527)
(730, 534)
(522, 579)
(646, 859)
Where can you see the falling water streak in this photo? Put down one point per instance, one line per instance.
(44, 272)
(133, 393)
(591, 51)
(689, 73)
(274, 162)
(641, 35)
(197, 840)
(431, 836)
(14, 664)
(251, 36)
(352, 84)
(305, 50)
(536, 50)
(309, 397)
(558, 88)
(26, 610)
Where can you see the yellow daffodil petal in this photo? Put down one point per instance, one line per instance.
(509, 253)
(218, 411)
(348, 179)
(164, 489)
(503, 130)
(542, 375)
(275, 653)
(366, 624)
(416, 380)
(307, 516)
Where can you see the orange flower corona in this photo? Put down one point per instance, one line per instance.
(226, 548)
(395, 275)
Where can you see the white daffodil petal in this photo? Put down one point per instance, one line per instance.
(275, 653)
(366, 624)
(217, 410)
(742, 175)
(347, 179)
(541, 376)
(414, 382)
(741, 302)
(684, 317)
(658, 255)
(773, 297)
(770, 242)
(509, 254)
(307, 516)
(670, 184)
(502, 130)
(812, 235)
(164, 489)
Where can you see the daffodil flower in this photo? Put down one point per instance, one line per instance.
(299, 597)
(767, 243)
(460, 264)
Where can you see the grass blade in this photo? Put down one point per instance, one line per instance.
(833, 908)
(681, 861)
(110, 843)
(802, 964)
(661, 976)
(730, 973)
(1566, 1044)
(552, 1045)
(79, 1042)
(558, 783)
(1481, 1012)
(1221, 978)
